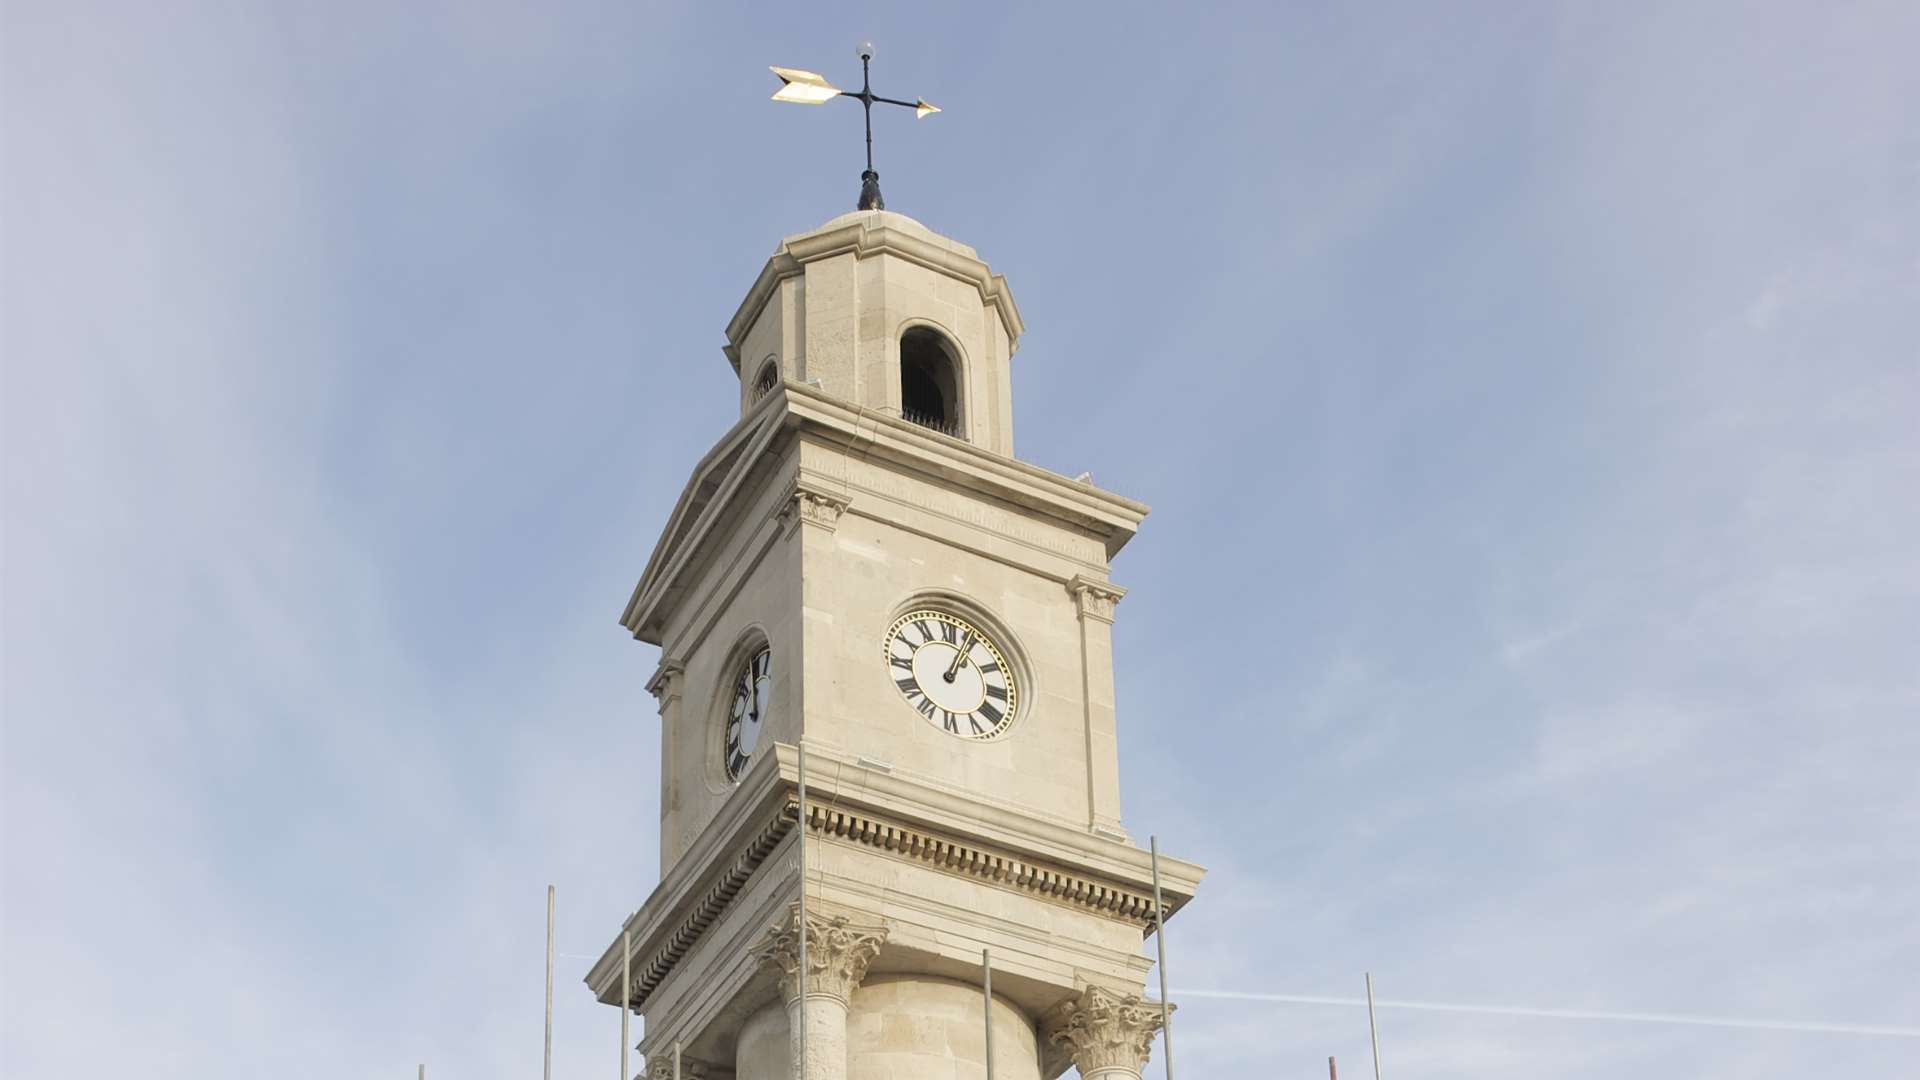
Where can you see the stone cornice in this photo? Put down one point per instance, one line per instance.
(1087, 872)
(675, 943)
(721, 481)
(965, 857)
(693, 894)
(1113, 518)
(836, 778)
(865, 235)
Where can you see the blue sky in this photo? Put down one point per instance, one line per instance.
(1527, 397)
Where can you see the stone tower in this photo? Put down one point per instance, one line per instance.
(860, 565)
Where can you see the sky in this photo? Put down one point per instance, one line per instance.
(1527, 395)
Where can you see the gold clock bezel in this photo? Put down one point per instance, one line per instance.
(982, 636)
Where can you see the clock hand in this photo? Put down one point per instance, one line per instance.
(958, 659)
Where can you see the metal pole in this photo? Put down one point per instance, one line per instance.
(1160, 946)
(986, 982)
(866, 102)
(1372, 1031)
(802, 908)
(1333, 1073)
(423, 1072)
(626, 995)
(546, 1058)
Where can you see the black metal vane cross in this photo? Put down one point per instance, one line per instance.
(807, 88)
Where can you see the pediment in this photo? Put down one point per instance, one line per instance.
(716, 480)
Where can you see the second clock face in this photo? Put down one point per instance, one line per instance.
(952, 673)
(747, 712)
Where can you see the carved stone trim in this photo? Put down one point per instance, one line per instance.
(838, 952)
(647, 977)
(665, 684)
(805, 504)
(1096, 599)
(1105, 1031)
(978, 861)
(953, 856)
(660, 1067)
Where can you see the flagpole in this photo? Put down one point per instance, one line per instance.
(546, 1058)
(626, 995)
(986, 983)
(1373, 1032)
(1160, 946)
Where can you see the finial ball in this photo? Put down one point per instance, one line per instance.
(864, 50)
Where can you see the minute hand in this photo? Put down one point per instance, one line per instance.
(959, 658)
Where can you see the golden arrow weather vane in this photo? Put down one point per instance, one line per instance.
(808, 88)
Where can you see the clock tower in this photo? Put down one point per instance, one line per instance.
(860, 566)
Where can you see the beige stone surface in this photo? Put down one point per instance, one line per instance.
(763, 1052)
(911, 1026)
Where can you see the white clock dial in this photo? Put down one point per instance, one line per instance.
(747, 712)
(952, 673)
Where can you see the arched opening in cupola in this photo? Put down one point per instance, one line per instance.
(930, 381)
(768, 379)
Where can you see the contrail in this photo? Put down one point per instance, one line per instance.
(1573, 1014)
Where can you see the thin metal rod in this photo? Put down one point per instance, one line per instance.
(1160, 947)
(546, 1058)
(802, 906)
(1333, 1073)
(866, 100)
(1373, 1032)
(986, 984)
(626, 995)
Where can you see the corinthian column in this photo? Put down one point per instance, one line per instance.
(1108, 1034)
(838, 952)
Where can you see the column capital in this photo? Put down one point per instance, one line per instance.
(1095, 598)
(1108, 1034)
(838, 952)
(806, 503)
(665, 684)
(660, 1067)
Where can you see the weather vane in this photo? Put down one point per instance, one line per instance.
(807, 88)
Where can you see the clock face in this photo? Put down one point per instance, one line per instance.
(747, 713)
(952, 673)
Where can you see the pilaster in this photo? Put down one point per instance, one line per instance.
(1095, 599)
(668, 687)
